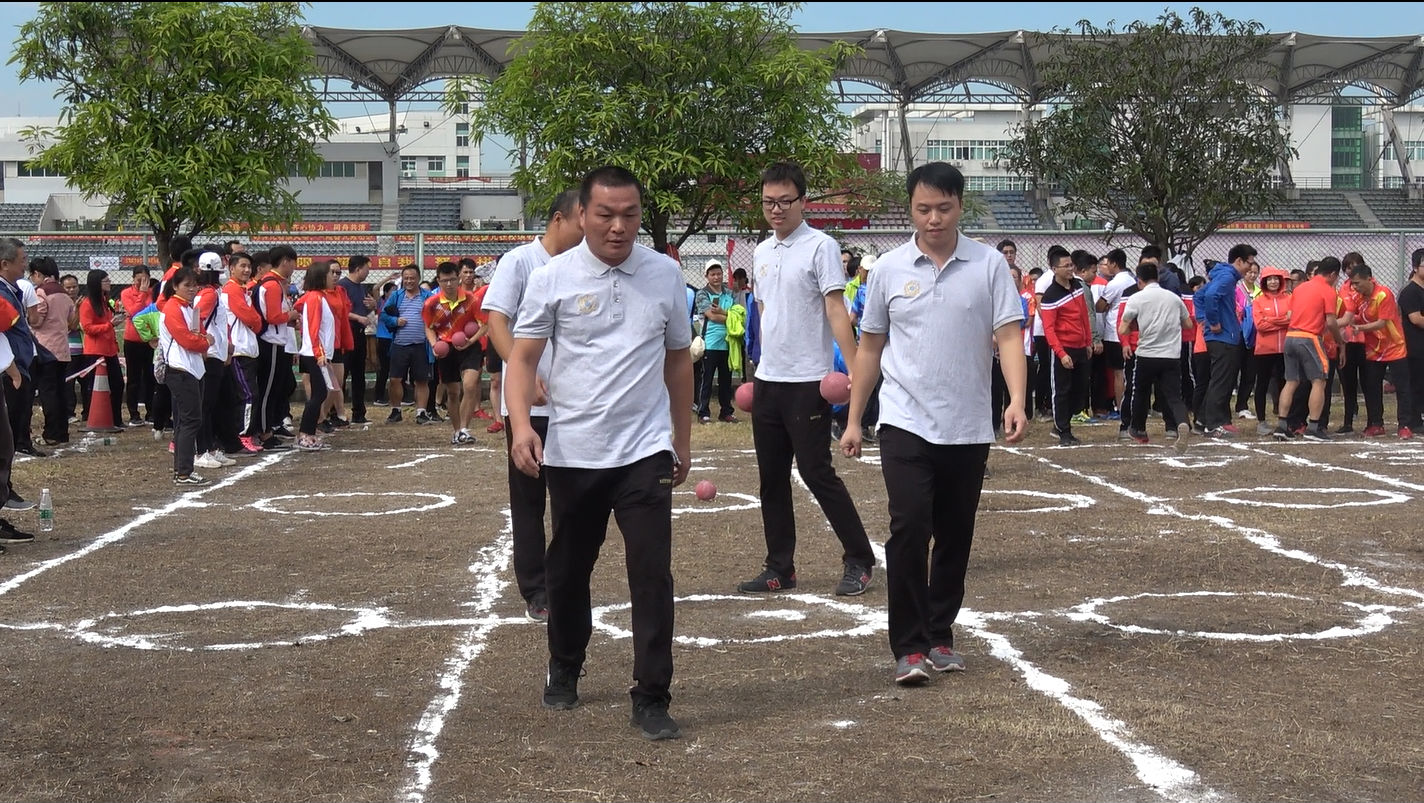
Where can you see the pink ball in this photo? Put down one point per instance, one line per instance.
(835, 387)
(441, 348)
(471, 328)
(706, 491)
(743, 397)
(459, 339)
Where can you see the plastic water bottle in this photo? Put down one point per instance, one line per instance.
(46, 511)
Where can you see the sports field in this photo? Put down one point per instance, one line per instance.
(1242, 622)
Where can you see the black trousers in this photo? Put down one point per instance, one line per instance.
(1159, 374)
(355, 360)
(49, 392)
(214, 374)
(1201, 380)
(998, 395)
(79, 396)
(319, 388)
(19, 404)
(1225, 366)
(526, 516)
(1070, 389)
(1416, 382)
(187, 395)
(1247, 384)
(7, 446)
(1270, 375)
(792, 420)
(639, 496)
(714, 365)
(1372, 383)
(138, 357)
(244, 377)
(275, 384)
(1185, 370)
(1130, 401)
(116, 391)
(1300, 405)
(383, 366)
(1351, 375)
(227, 416)
(1043, 380)
(933, 493)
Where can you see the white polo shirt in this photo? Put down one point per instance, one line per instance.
(793, 277)
(609, 330)
(506, 293)
(1112, 293)
(940, 332)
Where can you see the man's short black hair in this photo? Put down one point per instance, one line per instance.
(358, 262)
(608, 176)
(1006, 244)
(941, 176)
(1329, 266)
(1151, 252)
(277, 253)
(1361, 271)
(1147, 271)
(1240, 251)
(447, 268)
(1055, 253)
(785, 173)
(566, 202)
(1035, 272)
(1117, 256)
(1082, 260)
(1418, 259)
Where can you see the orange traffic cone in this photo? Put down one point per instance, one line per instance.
(101, 411)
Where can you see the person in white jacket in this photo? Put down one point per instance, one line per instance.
(183, 346)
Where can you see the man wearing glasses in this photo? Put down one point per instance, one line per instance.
(1217, 313)
(800, 287)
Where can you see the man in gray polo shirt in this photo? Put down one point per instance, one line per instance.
(614, 314)
(800, 287)
(502, 299)
(1159, 315)
(933, 308)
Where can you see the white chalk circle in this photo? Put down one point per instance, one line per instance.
(1070, 501)
(111, 630)
(1351, 497)
(862, 621)
(1373, 618)
(744, 502)
(1405, 457)
(271, 503)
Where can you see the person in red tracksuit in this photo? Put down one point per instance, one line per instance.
(1270, 312)
(1064, 308)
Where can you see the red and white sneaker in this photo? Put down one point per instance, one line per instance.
(480, 413)
(1405, 433)
(1373, 432)
(497, 426)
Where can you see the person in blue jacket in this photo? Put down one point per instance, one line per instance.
(410, 351)
(1216, 311)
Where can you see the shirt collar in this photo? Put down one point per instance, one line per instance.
(461, 294)
(959, 254)
(598, 267)
(792, 237)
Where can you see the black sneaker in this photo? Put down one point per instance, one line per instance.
(360, 419)
(275, 444)
(561, 691)
(284, 432)
(537, 609)
(394, 417)
(1317, 433)
(326, 427)
(381, 403)
(768, 581)
(339, 423)
(424, 417)
(1345, 429)
(1068, 439)
(855, 581)
(651, 718)
(9, 534)
(16, 503)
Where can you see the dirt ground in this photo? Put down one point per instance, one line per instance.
(344, 626)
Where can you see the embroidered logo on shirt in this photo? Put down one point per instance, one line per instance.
(912, 289)
(587, 304)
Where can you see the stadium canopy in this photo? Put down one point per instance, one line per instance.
(896, 66)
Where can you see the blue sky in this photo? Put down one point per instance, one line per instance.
(1353, 19)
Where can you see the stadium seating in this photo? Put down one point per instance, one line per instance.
(343, 213)
(1394, 209)
(20, 217)
(430, 210)
(1013, 211)
(1322, 209)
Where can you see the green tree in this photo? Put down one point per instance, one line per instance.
(694, 98)
(1161, 131)
(188, 116)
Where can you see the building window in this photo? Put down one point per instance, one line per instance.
(462, 166)
(24, 170)
(338, 170)
(462, 135)
(1345, 157)
(963, 150)
(879, 145)
(407, 167)
(994, 183)
(435, 165)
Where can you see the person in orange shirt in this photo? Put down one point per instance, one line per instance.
(1378, 320)
(138, 353)
(1349, 369)
(340, 302)
(1270, 313)
(101, 342)
(318, 348)
(446, 314)
(1313, 318)
(1201, 358)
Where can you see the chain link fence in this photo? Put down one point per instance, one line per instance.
(1386, 251)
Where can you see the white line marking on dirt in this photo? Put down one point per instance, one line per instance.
(417, 461)
(1375, 618)
(184, 501)
(1260, 538)
(493, 560)
(748, 502)
(1167, 778)
(1229, 496)
(865, 620)
(1301, 461)
(875, 546)
(1073, 501)
(268, 505)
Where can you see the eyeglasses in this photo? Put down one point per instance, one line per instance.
(778, 204)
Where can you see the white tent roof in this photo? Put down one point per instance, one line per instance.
(905, 66)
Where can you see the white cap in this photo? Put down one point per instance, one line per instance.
(712, 263)
(210, 261)
(868, 261)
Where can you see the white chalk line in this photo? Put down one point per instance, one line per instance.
(494, 558)
(867, 620)
(186, 500)
(1301, 461)
(268, 504)
(417, 461)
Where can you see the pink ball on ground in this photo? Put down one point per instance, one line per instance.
(835, 387)
(471, 328)
(459, 339)
(706, 491)
(743, 397)
(441, 348)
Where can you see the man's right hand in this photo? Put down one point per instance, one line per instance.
(400, 322)
(527, 451)
(1067, 361)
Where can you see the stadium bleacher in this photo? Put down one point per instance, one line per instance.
(20, 217)
(1322, 209)
(430, 210)
(1394, 209)
(343, 213)
(1013, 211)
